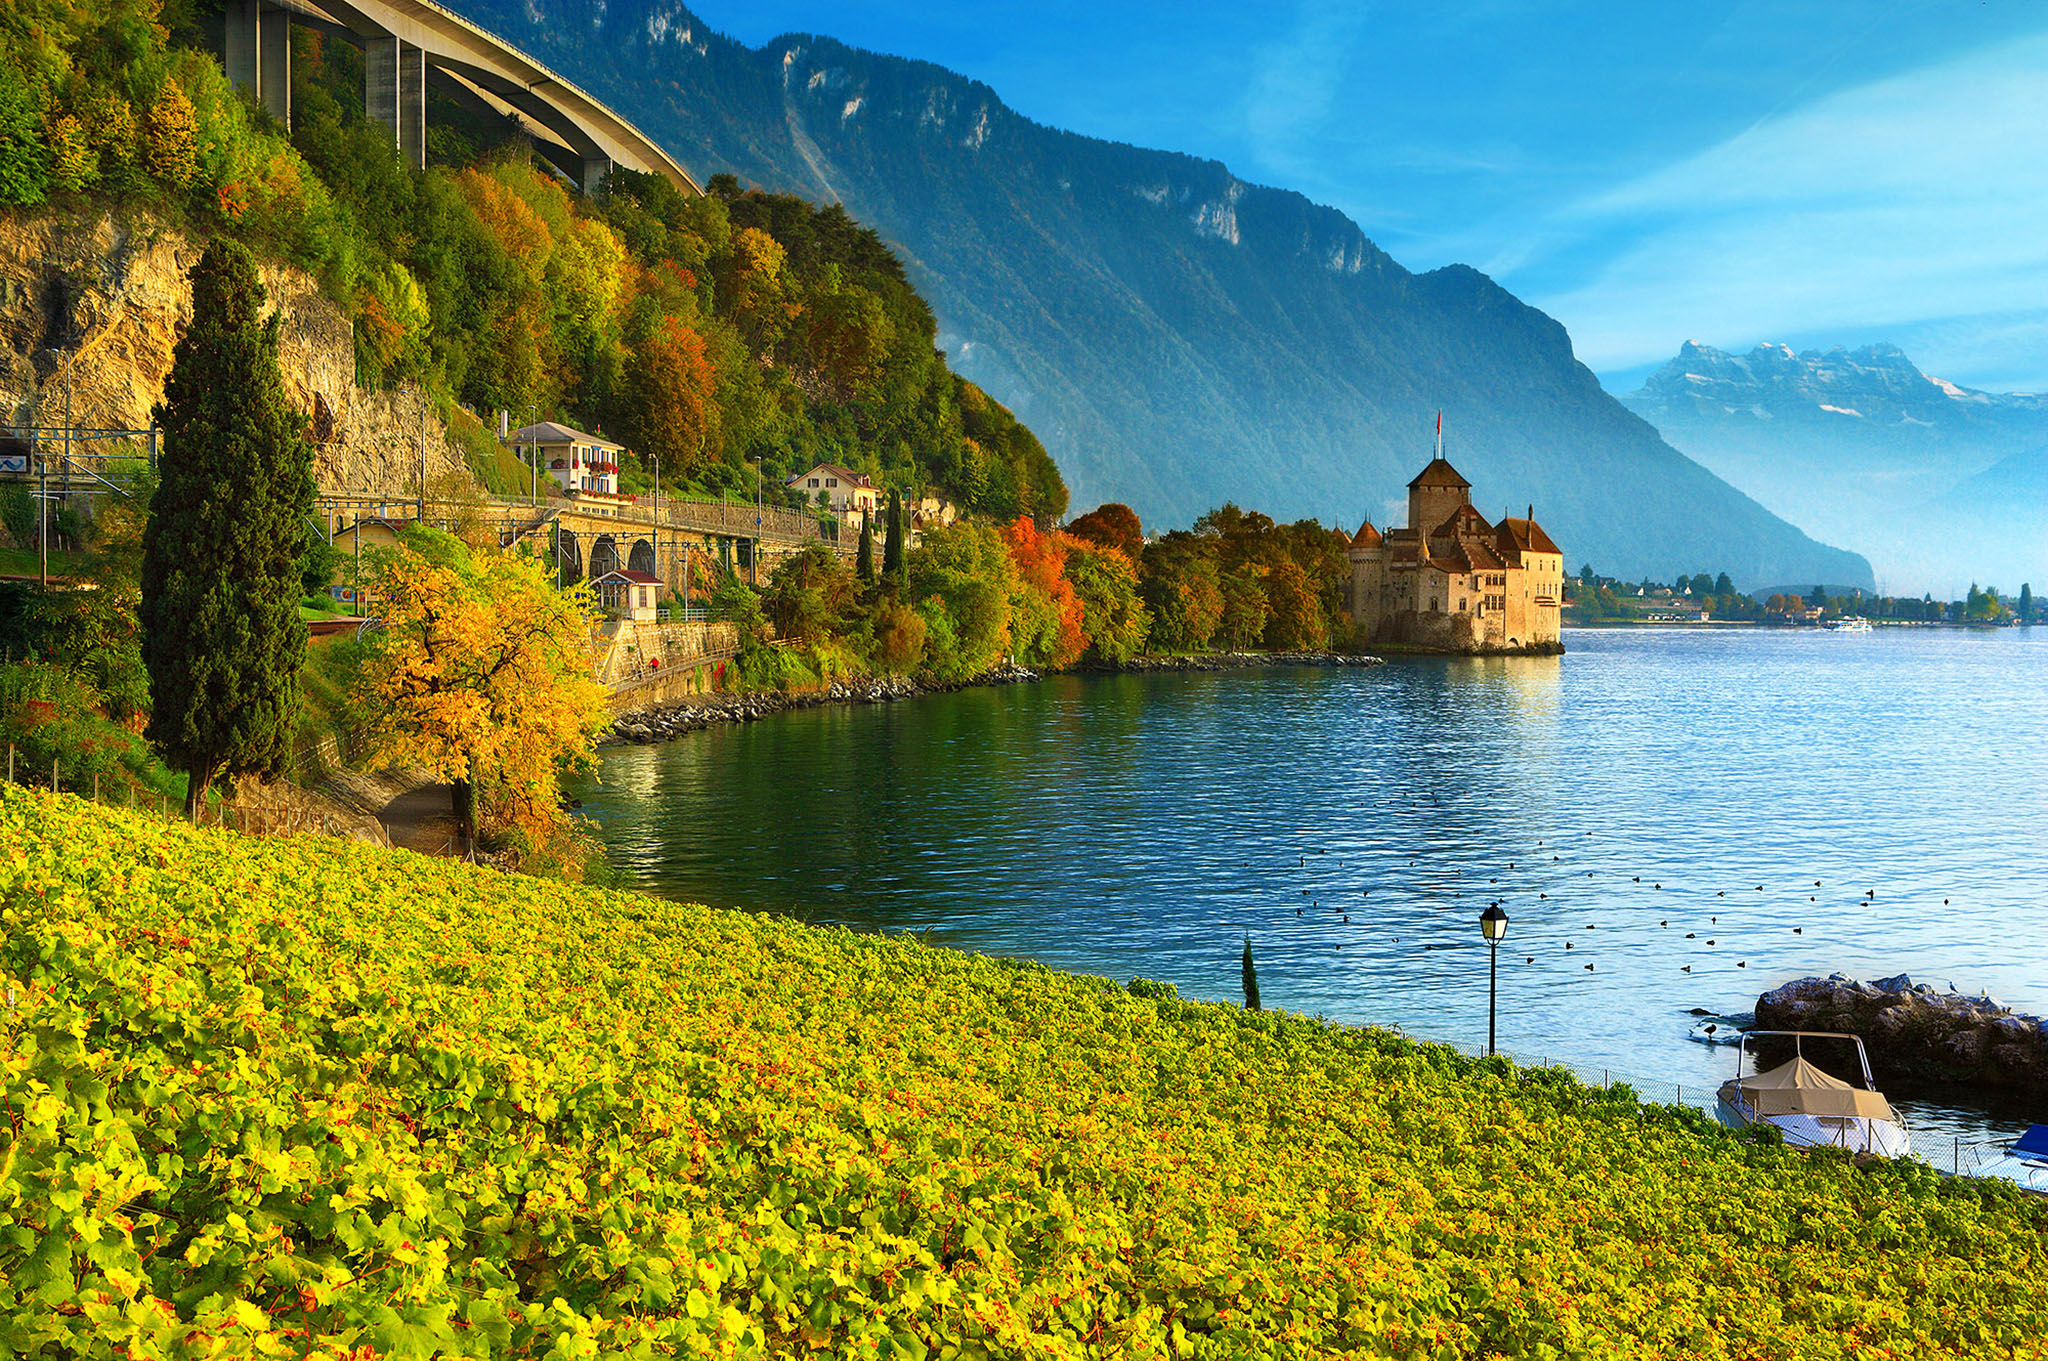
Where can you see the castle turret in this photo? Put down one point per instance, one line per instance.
(1435, 495)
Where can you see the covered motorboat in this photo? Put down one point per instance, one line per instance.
(2025, 1163)
(1810, 1107)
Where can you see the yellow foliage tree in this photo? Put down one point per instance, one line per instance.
(482, 675)
(171, 153)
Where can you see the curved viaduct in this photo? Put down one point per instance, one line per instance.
(401, 41)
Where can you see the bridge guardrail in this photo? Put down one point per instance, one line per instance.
(714, 517)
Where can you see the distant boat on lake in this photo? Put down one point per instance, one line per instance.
(1850, 625)
(1812, 1108)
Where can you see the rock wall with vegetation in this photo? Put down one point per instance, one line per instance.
(95, 300)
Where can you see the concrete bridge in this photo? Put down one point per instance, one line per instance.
(402, 40)
(690, 545)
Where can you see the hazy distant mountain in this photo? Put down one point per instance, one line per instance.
(1861, 446)
(1176, 336)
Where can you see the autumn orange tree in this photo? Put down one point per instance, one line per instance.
(482, 676)
(1046, 615)
(1112, 525)
(668, 404)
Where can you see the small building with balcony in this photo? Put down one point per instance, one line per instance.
(581, 464)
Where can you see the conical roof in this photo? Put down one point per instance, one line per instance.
(1366, 536)
(1440, 473)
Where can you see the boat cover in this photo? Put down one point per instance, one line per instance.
(1799, 1088)
(2034, 1143)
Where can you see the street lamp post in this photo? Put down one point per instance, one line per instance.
(1494, 923)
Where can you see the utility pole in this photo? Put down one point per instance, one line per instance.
(657, 515)
(35, 453)
(420, 387)
(66, 473)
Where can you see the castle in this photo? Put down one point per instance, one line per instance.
(1452, 581)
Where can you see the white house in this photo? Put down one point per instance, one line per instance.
(629, 594)
(580, 464)
(844, 490)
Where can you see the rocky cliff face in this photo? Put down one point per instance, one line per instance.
(112, 292)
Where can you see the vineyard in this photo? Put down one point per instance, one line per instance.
(304, 1097)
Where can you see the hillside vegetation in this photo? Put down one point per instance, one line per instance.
(301, 1098)
(707, 331)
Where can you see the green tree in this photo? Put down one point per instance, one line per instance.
(24, 172)
(1819, 598)
(1250, 973)
(864, 562)
(963, 580)
(894, 562)
(1114, 617)
(1244, 610)
(221, 636)
(1182, 591)
(809, 594)
(1295, 619)
(1723, 585)
(2026, 603)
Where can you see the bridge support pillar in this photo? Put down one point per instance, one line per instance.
(595, 168)
(258, 54)
(395, 95)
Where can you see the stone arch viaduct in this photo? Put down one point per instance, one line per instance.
(402, 40)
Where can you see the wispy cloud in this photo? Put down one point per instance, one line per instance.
(1296, 79)
(1889, 204)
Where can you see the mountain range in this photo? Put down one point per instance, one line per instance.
(1176, 336)
(1937, 483)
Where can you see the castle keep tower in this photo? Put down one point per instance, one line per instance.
(1435, 495)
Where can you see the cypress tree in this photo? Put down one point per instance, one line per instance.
(894, 569)
(221, 635)
(1251, 977)
(864, 564)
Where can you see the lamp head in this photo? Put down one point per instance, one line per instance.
(1494, 923)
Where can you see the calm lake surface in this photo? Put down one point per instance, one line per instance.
(1654, 802)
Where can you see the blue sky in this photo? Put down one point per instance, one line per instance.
(1817, 174)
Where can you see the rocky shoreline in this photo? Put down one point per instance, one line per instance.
(1230, 661)
(706, 711)
(1912, 1031)
(663, 722)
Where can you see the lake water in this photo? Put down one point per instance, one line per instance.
(1657, 804)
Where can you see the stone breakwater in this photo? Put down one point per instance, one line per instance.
(706, 711)
(1913, 1031)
